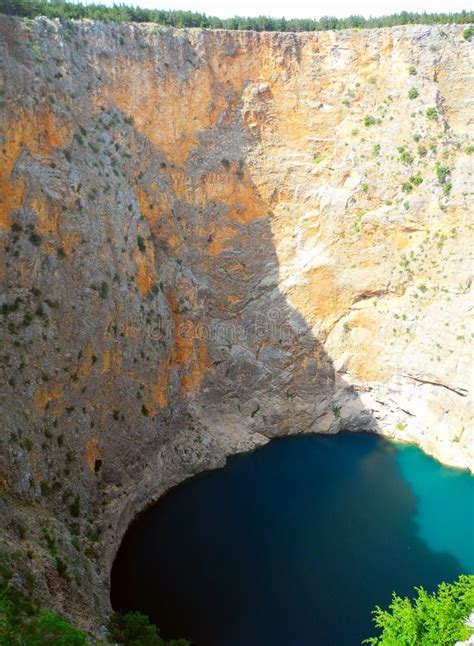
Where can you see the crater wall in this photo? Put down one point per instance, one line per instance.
(212, 238)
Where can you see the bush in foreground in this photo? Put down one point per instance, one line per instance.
(135, 629)
(23, 622)
(429, 619)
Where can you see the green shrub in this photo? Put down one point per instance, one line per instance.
(416, 180)
(35, 239)
(427, 620)
(23, 622)
(413, 93)
(469, 150)
(422, 151)
(369, 121)
(61, 567)
(135, 629)
(407, 187)
(432, 113)
(412, 70)
(45, 489)
(103, 290)
(50, 628)
(468, 32)
(442, 173)
(141, 244)
(376, 150)
(405, 155)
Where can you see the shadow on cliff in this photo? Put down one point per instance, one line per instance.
(263, 374)
(245, 366)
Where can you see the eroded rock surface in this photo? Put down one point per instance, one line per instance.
(212, 238)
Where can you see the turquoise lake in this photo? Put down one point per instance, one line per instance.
(295, 543)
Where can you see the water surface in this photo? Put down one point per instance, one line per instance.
(295, 543)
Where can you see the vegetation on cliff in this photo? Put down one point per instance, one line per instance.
(428, 620)
(23, 621)
(135, 629)
(124, 13)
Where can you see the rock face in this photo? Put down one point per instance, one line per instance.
(212, 238)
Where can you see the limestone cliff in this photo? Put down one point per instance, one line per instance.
(211, 238)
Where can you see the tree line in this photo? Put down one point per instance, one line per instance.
(123, 13)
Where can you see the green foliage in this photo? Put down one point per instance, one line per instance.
(141, 244)
(365, 187)
(103, 290)
(50, 628)
(416, 180)
(135, 629)
(432, 113)
(35, 239)
(412, 70)
(413, 93)
(376, 150)
(124, 13)
(369, 121)
(405, 155)
(23, 622)
(442, 173)
(468, 32)
(469, 150)
(427, 620)
(407, 187)
(61, 567)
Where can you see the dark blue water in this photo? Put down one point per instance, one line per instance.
(295, 543)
